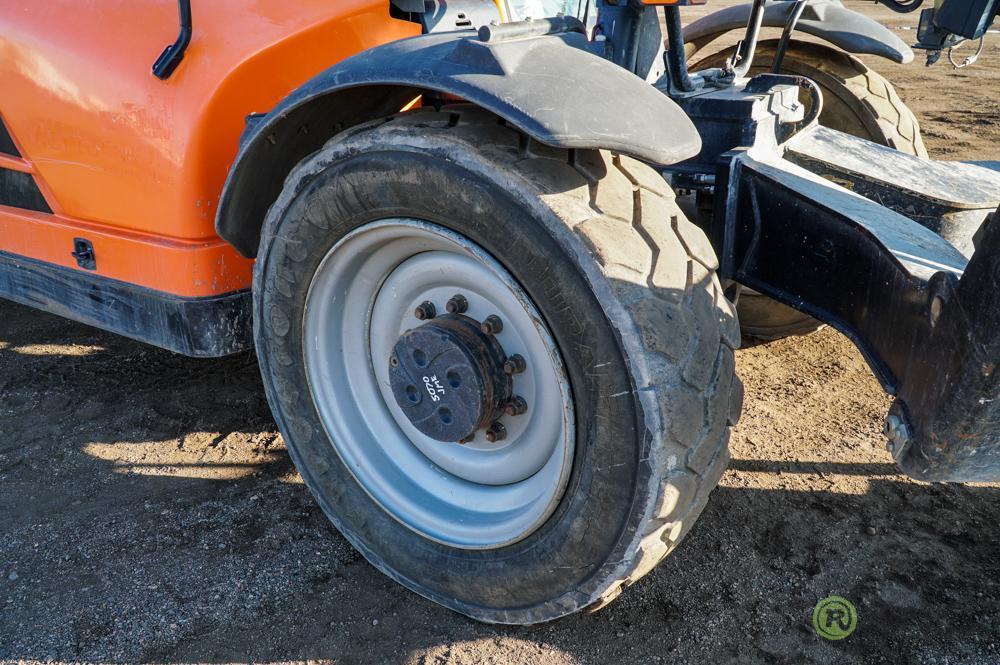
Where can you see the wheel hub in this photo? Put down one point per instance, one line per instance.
(384, 281)
(448, 376)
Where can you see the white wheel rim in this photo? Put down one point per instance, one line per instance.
(362, 297)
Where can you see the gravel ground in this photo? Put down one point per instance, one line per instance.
(149, 512)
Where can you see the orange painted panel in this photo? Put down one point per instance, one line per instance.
(188, 268)
(117, 149)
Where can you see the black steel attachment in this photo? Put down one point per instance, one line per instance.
(451, 377)
(174, 53)
(948, 409)
(923, 315)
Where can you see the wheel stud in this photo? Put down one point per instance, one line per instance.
(496, 432)
(515, 364)
(425, 310)
(457, 304)
(492, 325)
(516, 406)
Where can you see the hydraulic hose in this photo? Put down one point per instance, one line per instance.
(676, 58)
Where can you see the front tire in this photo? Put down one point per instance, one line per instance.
(590, 242)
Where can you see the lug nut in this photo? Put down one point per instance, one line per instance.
(515, 364)
(496, 432)
(394, 361)
(457, 304)
(492, 325)
(516, 406)
(425, 310)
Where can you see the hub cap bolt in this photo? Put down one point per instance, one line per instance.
(492, 325)
(515, 364)
(425, 310)
(496, 432)
(457, 304)
(516, 406)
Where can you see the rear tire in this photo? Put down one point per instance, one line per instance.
(623, 281)
(857, 101)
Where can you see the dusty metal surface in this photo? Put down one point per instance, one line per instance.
(831, 253)
(950, 198)
(951, 398)
(955, 184)
(924, 316)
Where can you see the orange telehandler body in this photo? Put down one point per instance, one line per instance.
(136, 164)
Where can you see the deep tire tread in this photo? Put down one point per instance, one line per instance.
(661, 269)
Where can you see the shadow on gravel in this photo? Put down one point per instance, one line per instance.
(148, 512)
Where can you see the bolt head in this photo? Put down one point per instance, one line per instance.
(492, 325)
(425, 310)
(457, 304)
(516, 406)
(496, 432)
(515, 364)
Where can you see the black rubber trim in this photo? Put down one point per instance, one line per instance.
(534, 84)
(7, 146)
(19, 190)
(206, 327)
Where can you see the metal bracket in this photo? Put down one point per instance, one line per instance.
(83, 252)
(923, 315)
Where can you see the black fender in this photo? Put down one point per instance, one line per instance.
(548, 87)
(827, 19)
